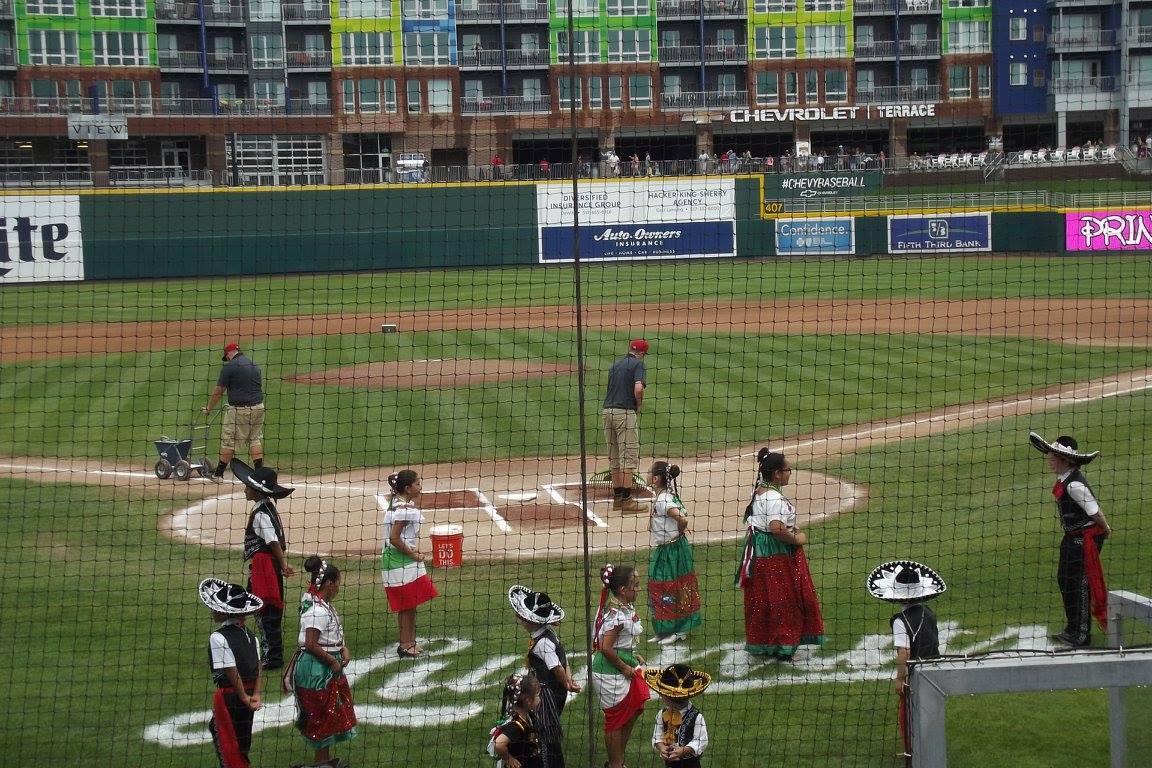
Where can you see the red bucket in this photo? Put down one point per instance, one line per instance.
(447, 546)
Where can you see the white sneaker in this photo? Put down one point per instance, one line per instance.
(675, 637)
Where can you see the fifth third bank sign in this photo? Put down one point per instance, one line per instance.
(952, 233)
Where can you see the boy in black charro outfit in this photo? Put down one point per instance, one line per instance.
(548, 664)
(914, 630)
(680, 734)
(234, 654)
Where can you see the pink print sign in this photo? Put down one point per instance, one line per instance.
(1108, 231)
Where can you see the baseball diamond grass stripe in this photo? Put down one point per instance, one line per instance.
(183, 301)
(116, 635)
(711, 393)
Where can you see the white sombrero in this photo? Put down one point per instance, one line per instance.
(223, 597)
(536, 607)
(1064, 445)
(904, 581)
(262, 480)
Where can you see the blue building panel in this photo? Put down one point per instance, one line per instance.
(1030, 98)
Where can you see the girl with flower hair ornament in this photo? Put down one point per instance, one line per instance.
(515, 740)
(617, 670)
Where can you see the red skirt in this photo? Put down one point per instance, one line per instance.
(411, 595)
(630, 707)
(326, 714)
(781, 610)
(264, 578)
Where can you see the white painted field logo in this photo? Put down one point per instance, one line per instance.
(395, 701)
(40, 239)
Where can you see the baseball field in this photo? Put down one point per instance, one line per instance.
(902, 389)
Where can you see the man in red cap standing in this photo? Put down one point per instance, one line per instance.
(244, 416)
(622, 406)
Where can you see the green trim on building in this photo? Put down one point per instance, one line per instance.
(84, 24)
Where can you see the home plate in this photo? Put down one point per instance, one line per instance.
(517, 496)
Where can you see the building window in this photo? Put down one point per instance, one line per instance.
(365, 9)
(776, 42)
(318, 93)
(268, 92)
(131, 8)
(1140, 68)
(811, 86)
(595, 93)
(264, 10)
(969, 37)
(865, 84)
(125, 49)
(835, 86)
(367, 157)
(267, 51)
(1017, 28)
(424, 9)
(628, 8)
(579, 7)
(791, 88)
(1018, 73)
(51, 7)
(629, 45)
(413, 91)
(52, 47)
(640, 91)
(568, 88)
(426, 49)
(775, 6)
(824, 41)
(767, 89)
(440, 96)
(969, 3)
(123, 154)
(959, 83)
(1038, 77)
(984, 81)
(360, 48)
(823, 6)
(586, 50)
(615, 92)
(270, 160)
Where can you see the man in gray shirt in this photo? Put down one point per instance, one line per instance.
(622, 405)
(244, 416)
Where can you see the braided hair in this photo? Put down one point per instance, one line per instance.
(769, 463)
(401, 481)
(518, 690)
(323, 571)
(667, 474)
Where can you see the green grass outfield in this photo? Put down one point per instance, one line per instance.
(110, 638)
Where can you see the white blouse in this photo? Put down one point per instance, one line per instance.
(323, 617)
(772, 505)
(403, 511)
(662, 527)
(626, 618)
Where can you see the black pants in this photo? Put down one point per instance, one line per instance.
(242, 718)
(1074, 588)
(270, 619)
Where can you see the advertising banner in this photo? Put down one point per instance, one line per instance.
(951, 233)
(826, 184)
(40, 239)
(815, 237)
(622, 221)
(1108, 231)
(98, 127)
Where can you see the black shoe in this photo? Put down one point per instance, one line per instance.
(408, 653)
(1069, 640)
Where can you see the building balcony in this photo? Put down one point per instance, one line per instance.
(7, 58)
(180, 61)
(919, 49)
(214, 13)
(6, 9)
(516, 58)
(690, 101)
(306, 13)
(309, 60)
(484, 106)
(1139, 90)
(668, 10)
(899, 94)
(494, 13)
(889, 7)
(1078, 3)
(1073, 40)
(229, 62)
(1074, 94)
(725, 54)
(680, 55)
(1139, 36)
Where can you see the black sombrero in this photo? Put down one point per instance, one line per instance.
(261, 480)
(536, 607)
(1065, 446)
(904, 581)
(222, 597)
(677, 681)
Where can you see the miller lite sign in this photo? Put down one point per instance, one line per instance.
(40, 239)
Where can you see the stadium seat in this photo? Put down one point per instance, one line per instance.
(1042, 155)
(1108, 155)
(1091, 153)
(1025, 156)
(981, 159)
(1074, 154)
(966, 160)
(1058, 155)
(941, 160)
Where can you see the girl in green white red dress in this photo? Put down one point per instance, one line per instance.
(406, 581)
(673, 592)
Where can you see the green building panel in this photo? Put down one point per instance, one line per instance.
(391, 25)
(83, 23)
(558, 22)
(800, 20)
(949, 46)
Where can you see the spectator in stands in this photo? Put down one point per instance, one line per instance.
(545, 168)
(770, 164)
(497, 166)
(880, 159)
(634, 164)
(702, 162)
(649, 166)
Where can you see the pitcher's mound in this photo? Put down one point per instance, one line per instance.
(435, 374)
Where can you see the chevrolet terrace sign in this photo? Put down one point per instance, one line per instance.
(813, 114)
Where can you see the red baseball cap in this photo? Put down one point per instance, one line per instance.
(230, 347)
(638, 345)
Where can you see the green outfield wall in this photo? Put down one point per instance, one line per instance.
(341, 229)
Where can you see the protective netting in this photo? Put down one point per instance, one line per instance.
(835, 232)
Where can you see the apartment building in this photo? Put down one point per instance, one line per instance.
(302, 91)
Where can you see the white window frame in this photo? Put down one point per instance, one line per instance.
(629, 45)
(563, 94)
(264, 10)
(961, 92)
(416, 43)
(825, 41)
(133, 9)
(836, 93)
(120, 49)
(67, 44)
(775, 6)
(621, 8)
(580, 8)
(357, 48)
(767, 48)
(824, 6)
(365, 9)
(791, 88)
(1017, 28)
(615, 92)
(51, 8)
(643, 101)
(1018, 73)
(765, 96)
(269, 90)
(587, 49)
(972, 36)
(595, 92)
(424, 9)
(267, 51)
(413, 97)
(440, 96)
